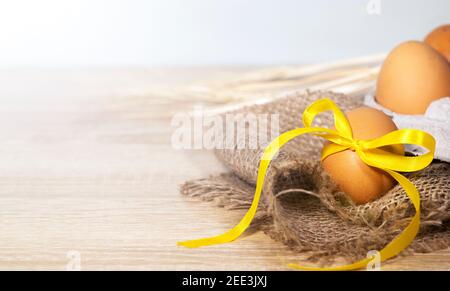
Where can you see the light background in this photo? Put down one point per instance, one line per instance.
(61, 33)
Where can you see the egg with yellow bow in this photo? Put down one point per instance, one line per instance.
(361, 182)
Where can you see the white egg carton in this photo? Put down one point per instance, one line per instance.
(435, 121)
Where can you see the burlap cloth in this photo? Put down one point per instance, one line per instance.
(305, 210)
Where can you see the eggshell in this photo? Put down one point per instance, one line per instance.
(439, 39)
(412, 76)
(361, 182)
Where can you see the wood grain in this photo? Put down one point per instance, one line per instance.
(87, 166)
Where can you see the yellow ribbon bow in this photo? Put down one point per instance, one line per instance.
(369, 151)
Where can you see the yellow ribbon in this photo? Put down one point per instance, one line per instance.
(369, 151)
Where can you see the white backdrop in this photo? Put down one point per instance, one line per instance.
(59, 33)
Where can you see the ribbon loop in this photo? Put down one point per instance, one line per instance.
(371, 152)
(340, 121)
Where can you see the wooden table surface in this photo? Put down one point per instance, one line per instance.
(89, 180)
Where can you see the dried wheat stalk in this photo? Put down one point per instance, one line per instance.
(353, 77)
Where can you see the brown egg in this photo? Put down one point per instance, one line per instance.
(439, 39)
(361, 182)
(412, 76)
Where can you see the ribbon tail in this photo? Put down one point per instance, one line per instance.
(269, 153)
(403, 240)
(397, 245)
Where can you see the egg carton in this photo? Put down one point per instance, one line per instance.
(435, 121)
